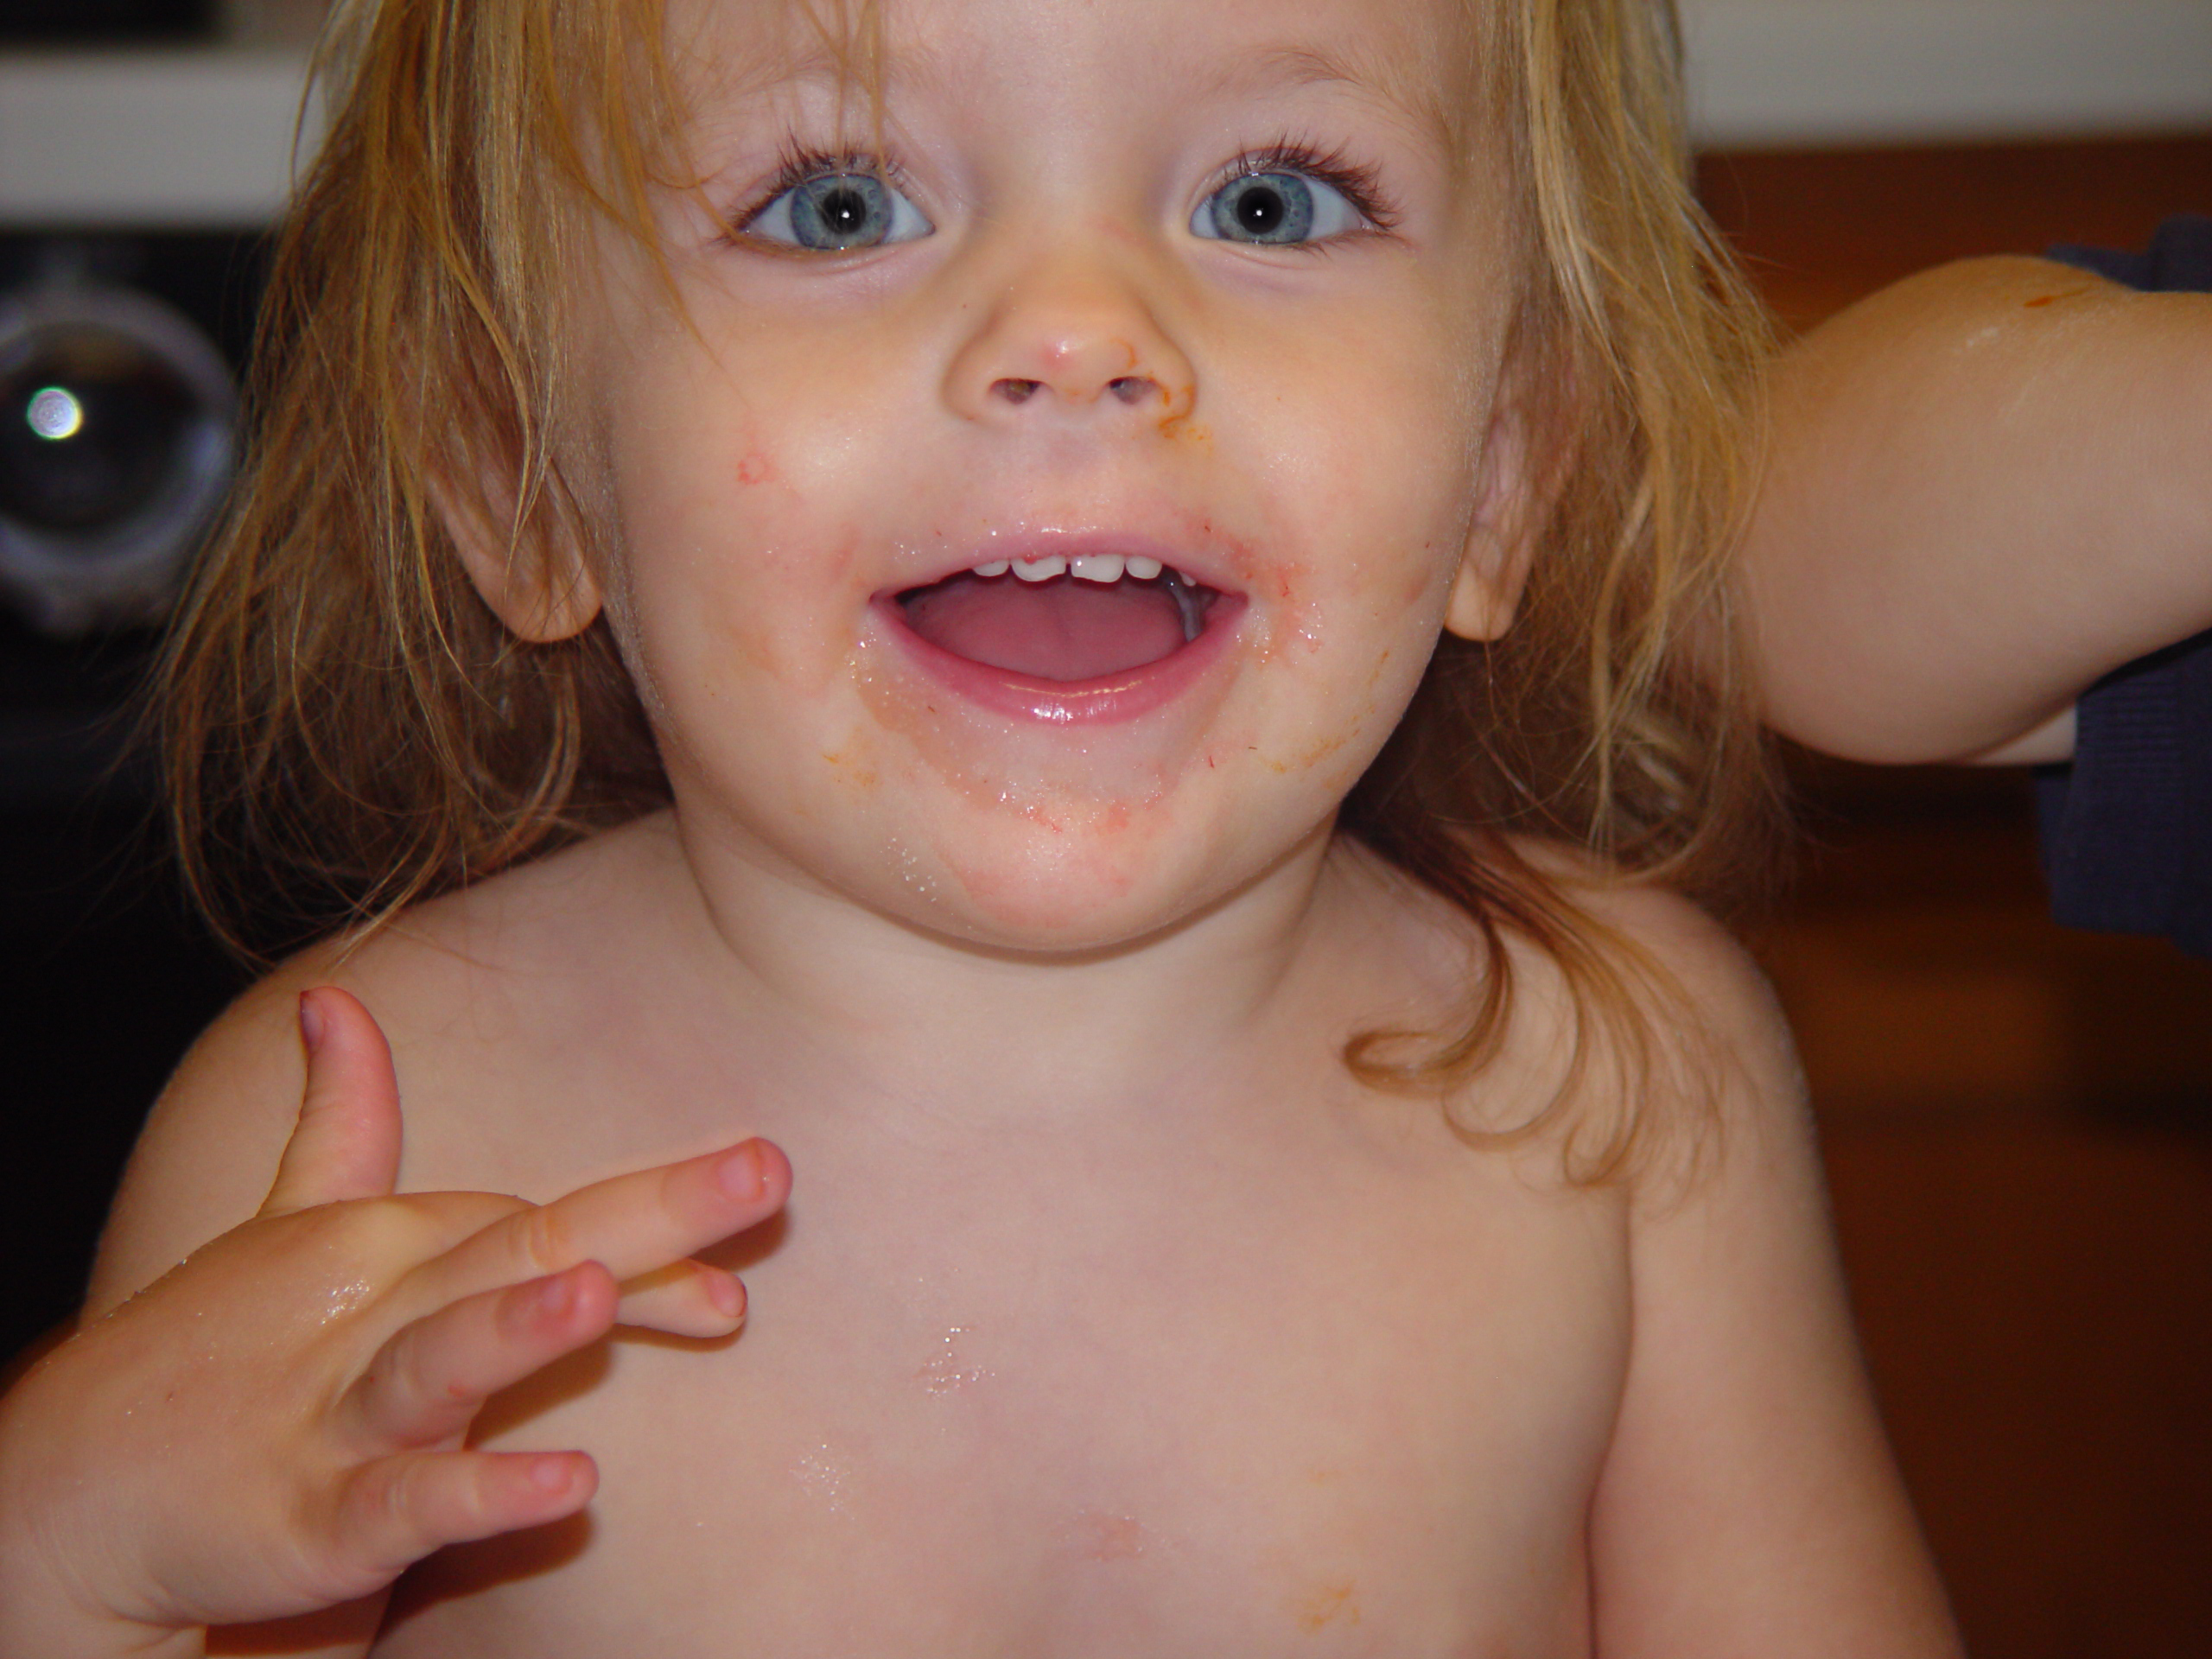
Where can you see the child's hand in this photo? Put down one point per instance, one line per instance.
(276, 1426)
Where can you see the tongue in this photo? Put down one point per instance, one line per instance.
(1063, 629)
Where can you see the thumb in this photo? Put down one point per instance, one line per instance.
(347, 1142)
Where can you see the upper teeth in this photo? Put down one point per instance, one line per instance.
(1087, 566)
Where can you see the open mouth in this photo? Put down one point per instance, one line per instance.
(1062, 620)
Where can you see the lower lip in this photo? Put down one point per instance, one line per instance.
(1116, 699)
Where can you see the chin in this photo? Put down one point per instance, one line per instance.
(1059, 886)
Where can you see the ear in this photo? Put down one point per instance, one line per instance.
(1517, 482)
(542, 587)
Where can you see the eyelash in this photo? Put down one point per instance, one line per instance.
(798, 163)
(1360, 183)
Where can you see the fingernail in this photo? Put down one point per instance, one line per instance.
(311, 1022)
(742, 1174)
(550, 1474)
(726, 1295)
(558, 1294)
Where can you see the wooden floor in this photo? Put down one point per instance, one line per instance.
(2018, 1120)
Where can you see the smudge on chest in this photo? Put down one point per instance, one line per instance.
(1326, 1604)
(1097, 1536)
(944, 1372)
(825, 1475)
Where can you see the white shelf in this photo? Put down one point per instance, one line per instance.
(203, 138)
(181, 139)
(1788, 73)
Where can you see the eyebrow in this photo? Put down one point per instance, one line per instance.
(1311, 64)
(1303, 64)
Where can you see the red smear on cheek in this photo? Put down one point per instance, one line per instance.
(1293, 619)
(853, 767)
(775, 599)
(1311, 757)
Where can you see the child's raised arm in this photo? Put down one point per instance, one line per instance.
(1991, 485)
(276, 1426)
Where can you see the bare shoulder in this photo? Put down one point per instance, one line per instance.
(433, 978)
(1647, 1023)
(1748, 1502)
(1736, 1017)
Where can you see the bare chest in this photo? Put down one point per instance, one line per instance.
(1327, 1406)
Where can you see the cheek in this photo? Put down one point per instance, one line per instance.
(726, 565)
(1378, 515)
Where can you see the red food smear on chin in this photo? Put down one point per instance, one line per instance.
(1063, 629)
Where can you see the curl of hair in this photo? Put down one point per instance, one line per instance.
(1614, 715)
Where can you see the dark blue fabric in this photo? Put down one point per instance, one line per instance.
(2127, 826)
(2179, 258)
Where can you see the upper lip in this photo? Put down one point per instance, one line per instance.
(1201, 564)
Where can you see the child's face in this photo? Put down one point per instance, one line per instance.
(1070, 329)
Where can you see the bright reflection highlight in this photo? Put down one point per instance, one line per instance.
(56, 414)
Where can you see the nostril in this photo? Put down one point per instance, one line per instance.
(1133, 388)
(1017, 391)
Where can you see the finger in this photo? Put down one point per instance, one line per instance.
(427, 1383)
(634, 1225)
(395, 1511)
(685, 1299)
(347, 1142)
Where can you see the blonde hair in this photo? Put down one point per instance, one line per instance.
(1614, 715)
(349, 727)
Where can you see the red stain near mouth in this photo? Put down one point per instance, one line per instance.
(1176, 423)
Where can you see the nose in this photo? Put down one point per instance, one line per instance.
(1070, 338)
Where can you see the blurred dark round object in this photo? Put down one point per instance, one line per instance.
(116, 445)
(92, 423)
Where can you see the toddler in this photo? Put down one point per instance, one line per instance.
(860, 594)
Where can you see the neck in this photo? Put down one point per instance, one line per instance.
(822, 975)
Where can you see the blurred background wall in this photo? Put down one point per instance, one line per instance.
(2017, 1121)
(1854, 72)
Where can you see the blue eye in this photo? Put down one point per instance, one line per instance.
(1275, 210)
(835, 212)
